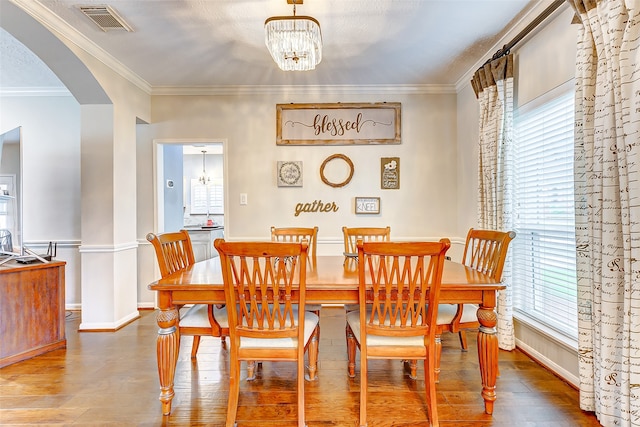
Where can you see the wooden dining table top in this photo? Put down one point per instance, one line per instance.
(333, 279)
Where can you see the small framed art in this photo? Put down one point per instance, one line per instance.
(289, 174)
(390, 173)
(367, 205)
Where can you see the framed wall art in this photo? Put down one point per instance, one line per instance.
(367, 205)
(390, 173)
(338, 124)
(289, 173)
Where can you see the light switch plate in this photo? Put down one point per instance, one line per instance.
(243, 198)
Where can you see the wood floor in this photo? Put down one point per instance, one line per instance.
(106, 379)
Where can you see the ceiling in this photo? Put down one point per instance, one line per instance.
(202, 43)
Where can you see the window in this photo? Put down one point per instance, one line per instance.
(8, 208)
(543, 253)
(207, 199)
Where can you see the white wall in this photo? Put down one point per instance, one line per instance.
(425, 205)
(109, 248)
(543, 61)
(51, 176)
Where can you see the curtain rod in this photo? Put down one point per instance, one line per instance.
(522, 34)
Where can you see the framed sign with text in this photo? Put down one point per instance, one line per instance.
(338, 124)
(367, 205)
(289, 174)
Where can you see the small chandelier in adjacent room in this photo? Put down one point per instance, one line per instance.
(295, 42)
(204, 178)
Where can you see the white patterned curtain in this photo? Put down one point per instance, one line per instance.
(607, 185)
(493, 85)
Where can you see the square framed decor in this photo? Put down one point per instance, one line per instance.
(289, 173)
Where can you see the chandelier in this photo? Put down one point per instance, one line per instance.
(204, 178)
(295, 42)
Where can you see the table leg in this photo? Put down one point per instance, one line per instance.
(488, 355)
(168, 345)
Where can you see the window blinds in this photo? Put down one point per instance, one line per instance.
(544, 263)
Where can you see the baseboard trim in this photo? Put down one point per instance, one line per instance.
(146, 306)
(109, 327)
(556, 369)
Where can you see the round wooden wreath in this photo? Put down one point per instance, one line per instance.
(336, 184)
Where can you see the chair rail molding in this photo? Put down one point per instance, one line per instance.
(108, 248)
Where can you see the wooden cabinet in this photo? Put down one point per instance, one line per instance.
(32, 310)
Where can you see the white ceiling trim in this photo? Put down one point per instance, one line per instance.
(35, 91)
(70, 34)
(300, 90)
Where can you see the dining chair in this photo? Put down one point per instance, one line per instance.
(297, 234)
(264, 284)
(351, 236)
(399, 288)
(484, 251)
(174, 252)
(366, 234)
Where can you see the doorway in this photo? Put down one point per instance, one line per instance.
(190, 184)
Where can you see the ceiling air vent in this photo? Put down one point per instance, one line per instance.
(105, 17)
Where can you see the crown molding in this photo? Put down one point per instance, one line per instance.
(34, 91)
(67, 33)
(302, 90)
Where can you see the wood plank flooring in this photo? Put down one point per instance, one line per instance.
(111, 379)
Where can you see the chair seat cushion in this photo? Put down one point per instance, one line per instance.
(197, 316)
(353, 320)
(310, 322)
(446, 313)
(351, 307)
(469, 313)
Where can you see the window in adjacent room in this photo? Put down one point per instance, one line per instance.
(207, 199)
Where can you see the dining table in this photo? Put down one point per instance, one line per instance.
(329, 280)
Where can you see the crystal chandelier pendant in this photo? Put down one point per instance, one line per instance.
(295, 42)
